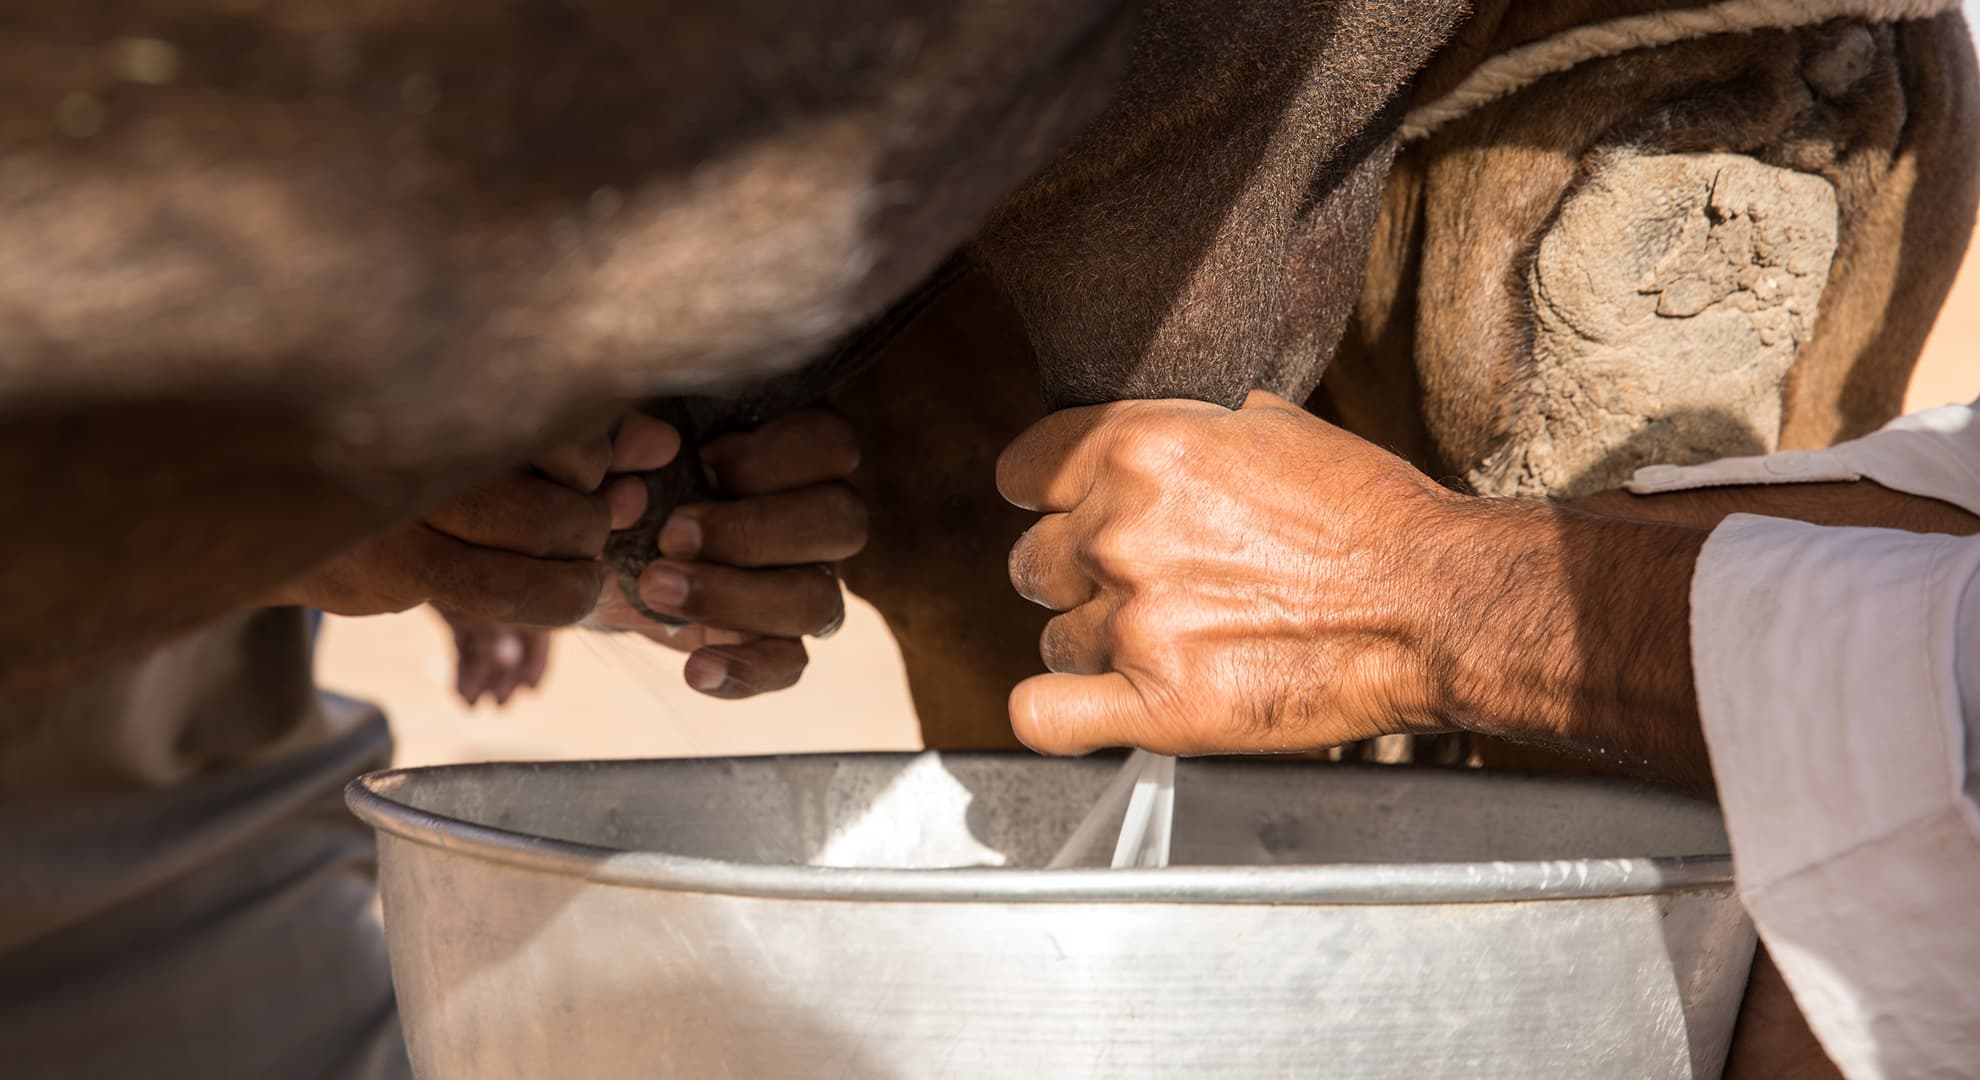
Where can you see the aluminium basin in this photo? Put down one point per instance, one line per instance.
(883, 915)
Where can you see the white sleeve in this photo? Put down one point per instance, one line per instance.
(1935, 453)
(1827, 675)
(1837, 714)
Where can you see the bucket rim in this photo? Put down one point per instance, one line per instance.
(1357, 884)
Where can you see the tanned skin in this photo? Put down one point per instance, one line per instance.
(1339, 594)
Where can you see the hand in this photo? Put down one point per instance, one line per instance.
(1260, 581)
(521, 549)
(1250, 581)
(752, 573)
(492, 657)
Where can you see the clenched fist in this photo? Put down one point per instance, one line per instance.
(1229, 581)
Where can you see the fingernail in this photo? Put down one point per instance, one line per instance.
(663, 586)
(707, 673)
(680, 538)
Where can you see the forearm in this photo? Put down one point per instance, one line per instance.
(1572, 627)
(1861, 504)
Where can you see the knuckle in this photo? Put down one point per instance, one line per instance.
(1147, 629)
(1110, 549)
(1150, 446)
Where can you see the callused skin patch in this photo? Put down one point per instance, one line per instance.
(1669, 301)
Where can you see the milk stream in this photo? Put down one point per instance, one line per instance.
(1142, 797)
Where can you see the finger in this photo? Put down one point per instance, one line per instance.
(615, 613)
(506, 648)
(806, 447)
(1079, 642)
(527, 515)
(625, 501)
(739, 671)
(1045, 566)
(471, 673)
(501, 585)
(820, 523)
(788, 602)
(580, 466)
(536, 656)
(1077, 714)
(472, 683)
(1052, 465)
(643, 444)
(470, 665)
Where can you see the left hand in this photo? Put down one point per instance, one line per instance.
(753, 574)
(1250, 581)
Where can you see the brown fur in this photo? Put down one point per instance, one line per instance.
(1202, 240)
(1430, 364)
(933, 413)
(353, 255)
(1435, 363)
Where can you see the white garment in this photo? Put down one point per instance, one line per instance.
(1837, 676)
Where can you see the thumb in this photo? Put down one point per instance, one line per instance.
(1076, 714)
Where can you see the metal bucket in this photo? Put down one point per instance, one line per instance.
(880, 915)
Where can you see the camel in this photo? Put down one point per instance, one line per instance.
(1523, 327)
(284, 274)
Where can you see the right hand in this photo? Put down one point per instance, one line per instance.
(521, 549)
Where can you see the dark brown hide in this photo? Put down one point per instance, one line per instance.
(1909, 190)
(1438, 363)
(1205, 238)
(328, 260)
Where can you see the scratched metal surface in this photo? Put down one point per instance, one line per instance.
(882, 916)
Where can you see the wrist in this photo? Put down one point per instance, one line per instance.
(1570, 629)
(1501, 598)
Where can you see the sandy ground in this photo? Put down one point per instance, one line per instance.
(612, 697)
(609, 695)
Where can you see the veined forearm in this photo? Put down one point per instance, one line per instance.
(1861, 504)
(1573, 630)
(1573, 627)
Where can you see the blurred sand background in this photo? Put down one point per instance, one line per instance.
(616, 696)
